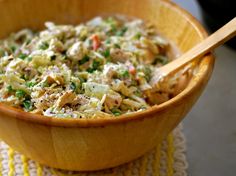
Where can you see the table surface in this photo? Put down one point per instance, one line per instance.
(210, 127)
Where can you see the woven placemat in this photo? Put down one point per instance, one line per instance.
(167, 159)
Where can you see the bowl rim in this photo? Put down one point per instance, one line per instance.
(12, 112)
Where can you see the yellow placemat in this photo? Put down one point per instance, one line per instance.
(167, 159)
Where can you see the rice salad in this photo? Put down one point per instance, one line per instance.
(96, 69)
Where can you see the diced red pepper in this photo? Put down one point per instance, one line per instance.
(132, 70)
(96, 42)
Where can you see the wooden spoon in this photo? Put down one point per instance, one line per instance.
(214, 40)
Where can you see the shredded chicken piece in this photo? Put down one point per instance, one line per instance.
(66, 98)
(119, 55)
(113, 100)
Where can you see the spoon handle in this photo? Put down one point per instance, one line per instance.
(214, 40)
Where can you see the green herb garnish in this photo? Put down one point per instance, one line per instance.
(22, 56)
(138, 36)
(116, 111)
(84, 60)
(106, 53)
(20, 93)
(108, 41)
(90, 70)
(13, 48)
(117, 45)
(43, 46)
(112, 23)
(10, 89)
(122, 31)
(94, 67)
(96, 64)
(73, 86)
(30, 84)
(124, 74)
(29, 58)
(28, 41)
(27, 104)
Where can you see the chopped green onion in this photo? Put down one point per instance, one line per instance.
(28, 41)
(96, 64)
(122, 31)
(29, 58)
(84, 60)
(112, 23)
(20, 93)
(30, 84)
(27, 104)
(94, 67)
(115, 111)
(10, 89)
(22, 56)
(106, 53)
(90, 70)
(117, 45)
(138, 36)
(73, 86)
(108, 41)
(124, 74)
(13, 48)
(43, 46)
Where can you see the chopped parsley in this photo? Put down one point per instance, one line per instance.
(117, 45)
(115, 111)
(20, 93)
(138, 36)
(73, 86)
(13, 48)
(94, 67)
(22, 56)
(124, 73)
(30, 84)
(29, 58)
(96, 64)
(106, 53)
(112, 23)
(10, 89)
(108, 41)
(27, 104)
(84, 60)
(122, 31)
(44, 46)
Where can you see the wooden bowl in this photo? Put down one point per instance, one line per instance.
(92, 144)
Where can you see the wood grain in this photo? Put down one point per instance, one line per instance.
(93, 144)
